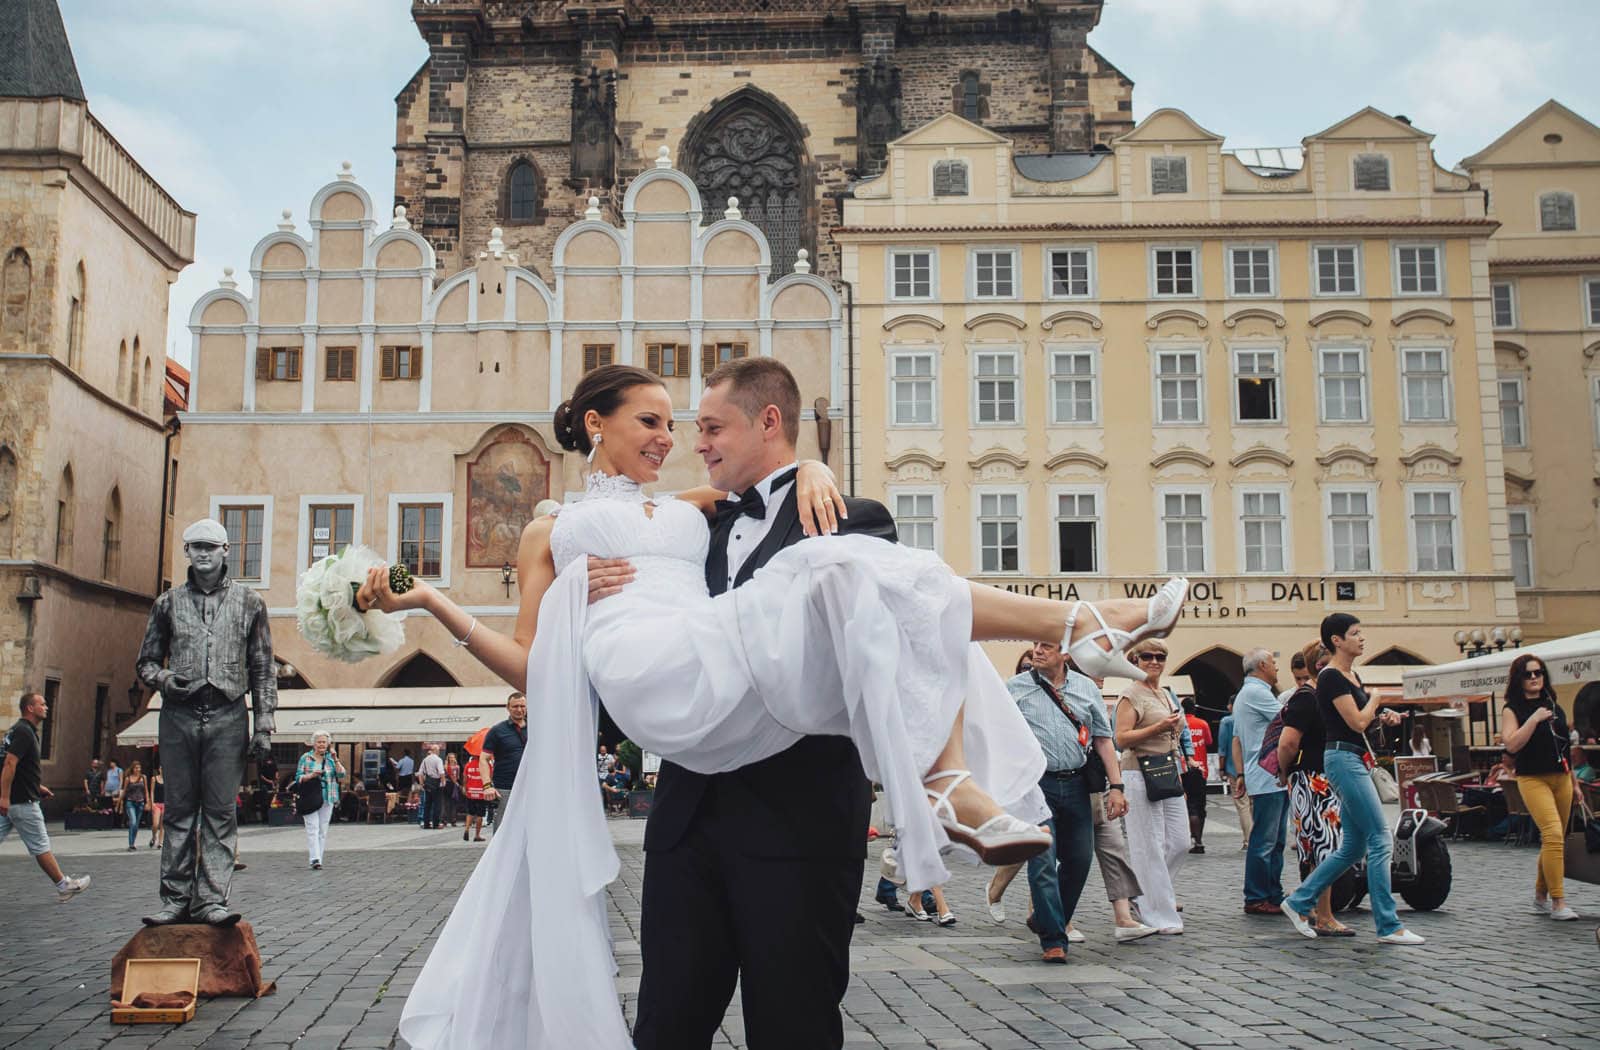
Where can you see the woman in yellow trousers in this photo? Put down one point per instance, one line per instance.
(1536, 737)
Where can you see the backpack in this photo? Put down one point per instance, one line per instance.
(1267, 757)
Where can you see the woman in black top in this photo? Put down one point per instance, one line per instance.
(1313, 807)
(158, 809)
(1346, 712)
(1537, 740)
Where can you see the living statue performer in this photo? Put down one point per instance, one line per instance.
(206, 645)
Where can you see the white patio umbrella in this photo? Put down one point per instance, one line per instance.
(1575, 658)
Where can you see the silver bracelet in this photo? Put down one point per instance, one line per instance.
(462, 641)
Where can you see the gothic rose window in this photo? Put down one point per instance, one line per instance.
(746, 153)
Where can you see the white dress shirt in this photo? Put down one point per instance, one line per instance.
(747, 532)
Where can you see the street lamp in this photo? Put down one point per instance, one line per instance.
(508, 576)
(1476, 642)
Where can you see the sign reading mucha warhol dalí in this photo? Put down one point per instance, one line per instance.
(206, 645)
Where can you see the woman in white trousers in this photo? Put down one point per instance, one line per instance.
(1150, 724)
(320, 762)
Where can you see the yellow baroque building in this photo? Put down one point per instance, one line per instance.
(351, 399)
(1076, 373)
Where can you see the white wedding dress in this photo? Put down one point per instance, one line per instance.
(844, 635)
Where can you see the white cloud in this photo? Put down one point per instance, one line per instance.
(1171, 16)
(1470, 88)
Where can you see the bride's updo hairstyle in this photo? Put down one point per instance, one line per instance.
(602, 390)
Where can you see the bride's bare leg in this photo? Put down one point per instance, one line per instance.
(1003, 615)
(973, 804)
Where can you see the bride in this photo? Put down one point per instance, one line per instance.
(845, 636)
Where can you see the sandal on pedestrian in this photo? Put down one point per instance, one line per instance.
(1335, 929)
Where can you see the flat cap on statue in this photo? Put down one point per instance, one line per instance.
(206, 530)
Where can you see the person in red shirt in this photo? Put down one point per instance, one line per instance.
(1194, 778)
(472, 785)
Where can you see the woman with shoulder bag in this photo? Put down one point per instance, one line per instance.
(316, 781)
(1346, 712)
(1149, 728)
(1313, 807)
(1537, 739)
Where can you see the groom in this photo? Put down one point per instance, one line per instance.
(752, 875)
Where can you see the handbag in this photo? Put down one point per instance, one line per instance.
(1384, 782)
(1583, 850)
(1162, 778)
(308, 796)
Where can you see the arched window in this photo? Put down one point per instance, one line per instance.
(122, 367)
(1558, 211)
(77, 293)
(16, 291)
(524, 194)
(133, 375)
(749, 147)
(111, 542)
(144, 384)
(64, 511)
(8, 490)
(969, 96)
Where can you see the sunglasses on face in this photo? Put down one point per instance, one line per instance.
(1534, 672)
(1152, 658)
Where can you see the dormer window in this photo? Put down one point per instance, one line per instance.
(1372, 172)
(950, 178)
(1169, 175)
(1558, 211)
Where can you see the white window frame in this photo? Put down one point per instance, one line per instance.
(1522, 407)
(446, 541)
(1511, 301)
(1364, 351)
(1374, 532)
(1406, 378)
(1286, 536)
(1194, 254)
(894, 492)
(1526, 537)
(1099, 494)
(1094, 272)
(1052, 407)
(265, 503)
(1457, 554)
(933, 274)
(1208, 563)
(1538, 211)
(972, 272)
(1438, 268)
(1015, 353)
(1591, 302)
(1019, 491)
(1276, 350)
(1272, 269)
(1156, 377)
(304, 540)
(933, 354)
(1316, 282)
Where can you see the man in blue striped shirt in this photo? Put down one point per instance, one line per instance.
(1065, 711)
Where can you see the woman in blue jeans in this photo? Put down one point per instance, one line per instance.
(1346, 713)
(133, 796)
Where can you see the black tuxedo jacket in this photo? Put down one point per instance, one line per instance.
(812, 800)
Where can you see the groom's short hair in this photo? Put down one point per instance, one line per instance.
(756, 382)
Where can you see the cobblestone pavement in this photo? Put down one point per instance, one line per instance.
(346, 944)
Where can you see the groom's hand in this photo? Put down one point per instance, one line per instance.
(607, 576)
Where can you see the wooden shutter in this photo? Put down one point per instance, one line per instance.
(680, 360)
(330, 368)
(652, 358)
(263, 364)
(739, 350)
(591, 358)
(1372, 172)
(708, 360)
(388, 362)
(1169, 175)
(292, 370)
(347, 362)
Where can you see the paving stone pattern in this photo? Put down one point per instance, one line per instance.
(346, 944)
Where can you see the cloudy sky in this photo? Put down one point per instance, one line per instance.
(241, 110)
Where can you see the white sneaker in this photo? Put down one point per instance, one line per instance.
(1074, 937)
(1133, 933)
(1540, 907)
(1563, 914)
(78, 885)
(997, 911)
(1401, 937)
(1301, 926)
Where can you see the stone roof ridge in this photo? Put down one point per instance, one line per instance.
(35, 58)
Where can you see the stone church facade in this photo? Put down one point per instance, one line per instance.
(526, 108)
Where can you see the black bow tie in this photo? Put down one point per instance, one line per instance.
(751, 504)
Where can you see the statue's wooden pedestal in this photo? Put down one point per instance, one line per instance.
(230, 963)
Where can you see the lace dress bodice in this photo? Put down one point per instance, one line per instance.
(666, 539)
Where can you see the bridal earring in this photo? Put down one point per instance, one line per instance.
(594, 446)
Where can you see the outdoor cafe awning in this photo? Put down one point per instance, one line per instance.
(1575, 658)
(356, 715)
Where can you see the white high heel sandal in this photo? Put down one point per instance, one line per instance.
(998, 841)
(1161, 614)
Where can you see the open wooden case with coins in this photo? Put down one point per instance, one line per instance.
(165, 978)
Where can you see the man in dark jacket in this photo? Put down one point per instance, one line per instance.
(207, 643)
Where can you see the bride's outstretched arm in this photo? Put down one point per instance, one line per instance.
(817, 498)
(505, 656)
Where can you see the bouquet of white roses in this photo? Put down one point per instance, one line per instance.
(325, 607)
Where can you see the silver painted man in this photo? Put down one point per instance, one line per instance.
(207, 644)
